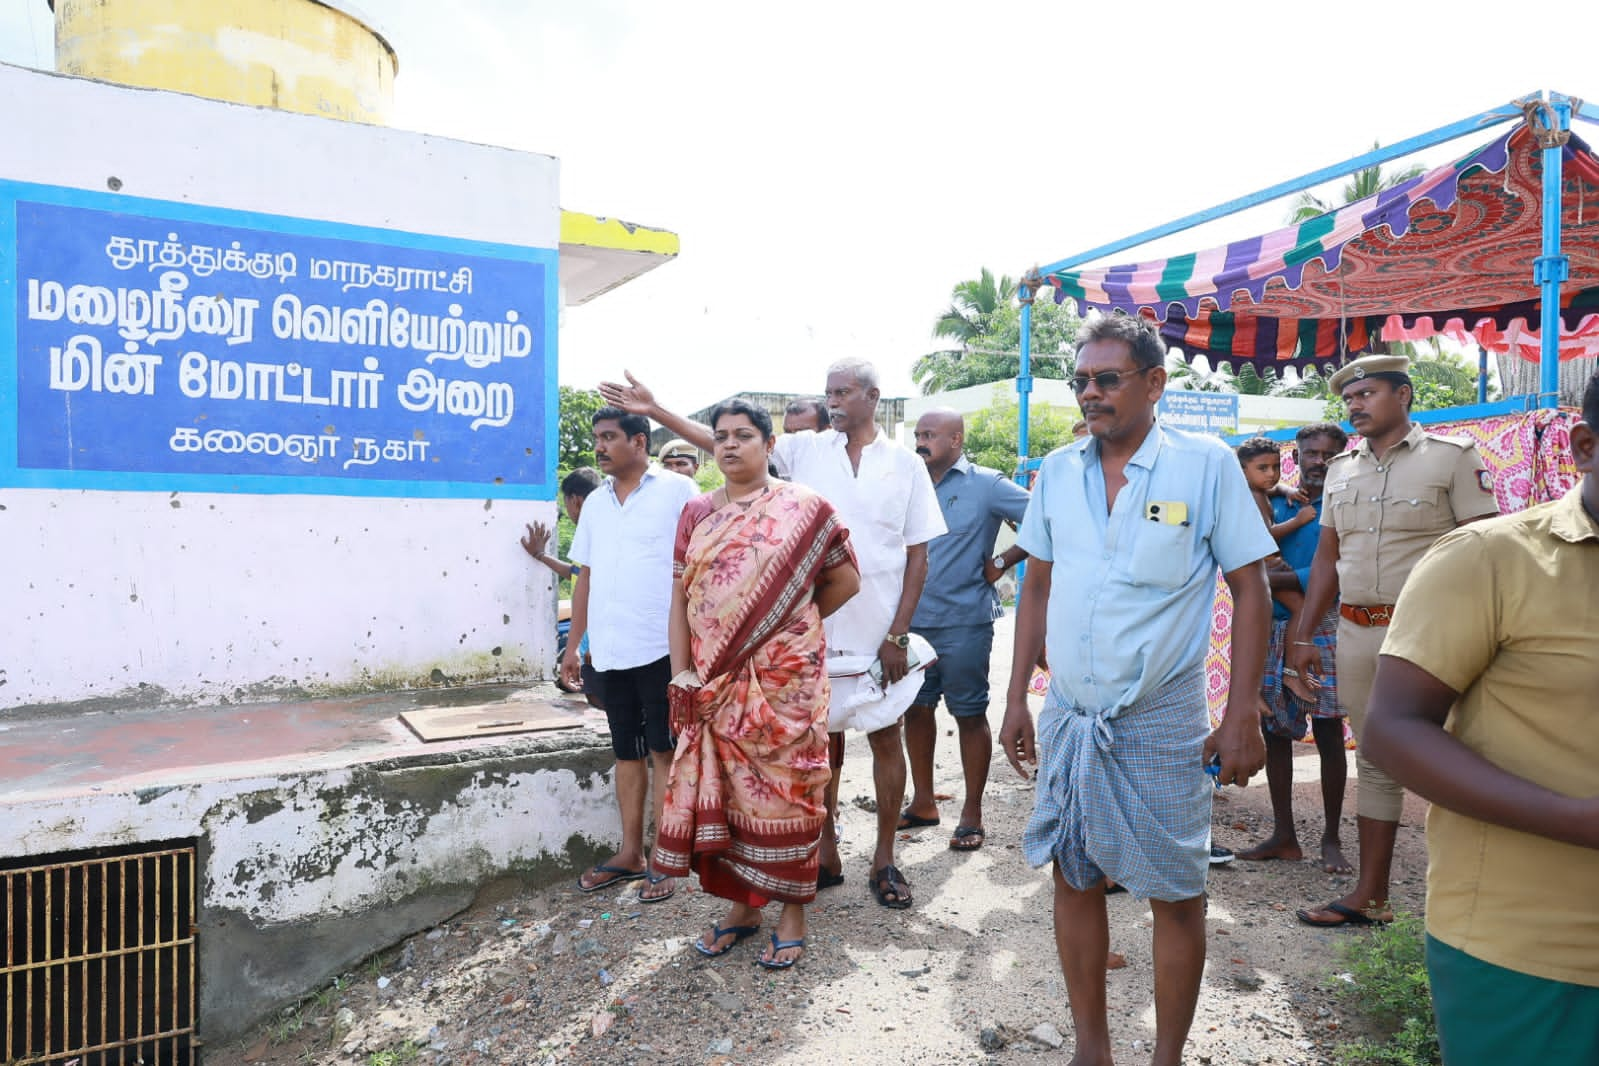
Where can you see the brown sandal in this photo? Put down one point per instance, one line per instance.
(891, 888)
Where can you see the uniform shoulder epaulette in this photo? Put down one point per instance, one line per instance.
(1458, 442)
(1340, 455)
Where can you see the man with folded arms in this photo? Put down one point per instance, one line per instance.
(956, 615)
(1484, 704)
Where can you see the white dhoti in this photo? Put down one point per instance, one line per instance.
(860, 702)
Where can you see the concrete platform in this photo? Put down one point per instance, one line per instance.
(326, 830)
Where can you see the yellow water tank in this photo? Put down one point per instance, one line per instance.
(297, 55)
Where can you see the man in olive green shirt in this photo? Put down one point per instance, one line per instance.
(1497, 624)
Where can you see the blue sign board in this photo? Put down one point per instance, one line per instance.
(1199, 412)
(161, 346)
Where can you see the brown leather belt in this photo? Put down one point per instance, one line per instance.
(1380, 615)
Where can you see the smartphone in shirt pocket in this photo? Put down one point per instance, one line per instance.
(1163, 546)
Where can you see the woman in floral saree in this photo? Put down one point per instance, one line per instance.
(758, 564)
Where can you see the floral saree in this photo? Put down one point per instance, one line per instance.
(745, 795)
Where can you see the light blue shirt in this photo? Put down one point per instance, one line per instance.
(1130, 599)
(975, 500)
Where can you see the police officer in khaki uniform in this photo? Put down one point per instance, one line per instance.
(1385, 503)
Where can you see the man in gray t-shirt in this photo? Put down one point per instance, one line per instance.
(956, 616)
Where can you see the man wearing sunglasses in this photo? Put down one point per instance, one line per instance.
(1140, 518)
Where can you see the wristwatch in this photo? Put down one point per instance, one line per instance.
(902, 640)
(999, 563)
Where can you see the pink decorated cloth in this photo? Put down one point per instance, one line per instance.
(1529, 456)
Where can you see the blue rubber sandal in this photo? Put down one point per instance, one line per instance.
(740, 933)
(781, 945)
(622, 875)
(654, 879)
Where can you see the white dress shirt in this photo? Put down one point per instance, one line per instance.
(626, 546)
(887, 506)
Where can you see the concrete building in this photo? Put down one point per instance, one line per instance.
(1236, 414)
(284, 387)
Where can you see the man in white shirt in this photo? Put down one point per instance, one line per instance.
(621, 599)
(883, 493)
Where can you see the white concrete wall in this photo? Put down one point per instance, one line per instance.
(1053, 391)
(207, 595)
(278, 853)
(303, 874)
(1257, 413)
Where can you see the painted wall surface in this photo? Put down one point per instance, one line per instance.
(1199, 412)
(296, 55)
(164, 346)
(206, 586)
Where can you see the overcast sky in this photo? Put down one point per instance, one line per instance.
(834, 168)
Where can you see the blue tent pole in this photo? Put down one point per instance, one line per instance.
(1482, 374)
(1551, 268)
(1024, 378)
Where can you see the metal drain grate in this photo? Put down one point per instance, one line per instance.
(99, 963)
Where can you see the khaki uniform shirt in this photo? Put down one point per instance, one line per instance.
(1387, 512)
(1502, 612)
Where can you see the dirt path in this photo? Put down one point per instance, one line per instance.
(964, 976)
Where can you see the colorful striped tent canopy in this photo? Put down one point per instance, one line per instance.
(1450, 251)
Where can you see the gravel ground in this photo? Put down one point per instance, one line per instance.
(968, 974)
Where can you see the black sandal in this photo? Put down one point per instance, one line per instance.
(887, 885)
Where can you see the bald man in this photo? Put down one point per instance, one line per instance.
(806, 414)
(956, 616)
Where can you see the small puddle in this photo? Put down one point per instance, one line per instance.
(467, 695)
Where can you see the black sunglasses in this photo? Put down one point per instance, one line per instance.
(1107, 380)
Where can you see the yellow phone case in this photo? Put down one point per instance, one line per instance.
(1168, 512)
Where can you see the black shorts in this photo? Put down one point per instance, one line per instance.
(636, 708)
(591, 684)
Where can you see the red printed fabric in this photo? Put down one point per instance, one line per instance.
(746, 789)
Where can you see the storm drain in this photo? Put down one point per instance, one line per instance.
(99, 963)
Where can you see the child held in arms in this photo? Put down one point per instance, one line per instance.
(1263, 468)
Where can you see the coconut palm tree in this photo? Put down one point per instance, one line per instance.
(1270, 383)
(971, 307)
(1246, 380)
(1186, 374)
(1361, 184)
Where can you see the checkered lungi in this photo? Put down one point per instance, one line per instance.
(1125, 795)
(1288, 715)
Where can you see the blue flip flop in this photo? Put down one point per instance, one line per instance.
(740, 933)
(622, 875)
(655, 879)
(781, 945)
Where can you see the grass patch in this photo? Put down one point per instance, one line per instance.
(398, 1055)
(1389, 988)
